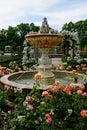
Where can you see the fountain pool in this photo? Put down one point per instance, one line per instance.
(24, 80)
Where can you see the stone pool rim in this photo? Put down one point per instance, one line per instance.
(6, 79)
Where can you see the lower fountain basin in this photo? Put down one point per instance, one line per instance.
(24, 80)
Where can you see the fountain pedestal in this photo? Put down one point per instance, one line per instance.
(45, 66)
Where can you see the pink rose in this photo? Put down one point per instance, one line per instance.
(30, 107)
(84, 94)
(45, 93)
(79, 91)
(6, 87)
(55, 89)
(84, 68)
(28, 98)
(49, 120)
(47, 115)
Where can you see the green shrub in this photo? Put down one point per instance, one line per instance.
(57, 108)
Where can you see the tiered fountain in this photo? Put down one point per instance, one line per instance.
(44, 41)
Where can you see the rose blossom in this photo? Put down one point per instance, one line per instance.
(84, 94)
(6, 87)
(82, 87)
(74, 71)
(55, 88)
(30, 107)
(78, 67)
(83, 113)
(47, 115)
(79, 91)
(45, 93)
(28, 98)
(37, 77)
(25, 103)
(84, 68)
(48, 120)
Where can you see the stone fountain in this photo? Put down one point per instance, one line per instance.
(44, 41)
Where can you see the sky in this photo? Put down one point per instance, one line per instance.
(57, 12)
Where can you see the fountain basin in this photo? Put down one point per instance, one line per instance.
(44, 40)
(24, 80)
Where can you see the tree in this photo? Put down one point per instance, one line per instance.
(68, 27)
(22, 30)
(12, 37)
(15, 36)
(34, 28)
(3, 37)
(81, 28)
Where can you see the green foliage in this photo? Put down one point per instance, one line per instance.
(64, 58)
(2, 39)
(81, 28)
(63, 104)
(73, 63)
(15, 36)
(5, 60)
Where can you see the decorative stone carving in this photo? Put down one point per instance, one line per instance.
(45, 26)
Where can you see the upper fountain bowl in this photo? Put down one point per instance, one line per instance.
(44, 40)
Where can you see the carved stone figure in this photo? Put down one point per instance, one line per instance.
(45, 27)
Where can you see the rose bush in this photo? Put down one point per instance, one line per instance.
(81, 68)
(60, 107)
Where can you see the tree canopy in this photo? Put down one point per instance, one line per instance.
(15, 36)
(81, 28)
